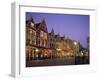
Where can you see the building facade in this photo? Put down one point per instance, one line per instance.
(40, 44)
(30, 39)
(52, 43)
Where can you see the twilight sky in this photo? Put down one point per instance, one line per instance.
(75, 27)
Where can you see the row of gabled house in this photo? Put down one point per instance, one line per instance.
(41, 44)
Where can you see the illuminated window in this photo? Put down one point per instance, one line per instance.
(31, 31)
(34, 32)
(45, 35)
(41, 34)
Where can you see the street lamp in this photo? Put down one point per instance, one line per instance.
(75, 46)
(36, 50)
(75, 43)
(37, 53)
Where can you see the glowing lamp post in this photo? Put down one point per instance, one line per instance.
(75, 43)
(37, 53)
(37, 50)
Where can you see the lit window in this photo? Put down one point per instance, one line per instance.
(41, 33)
(34, 32)
(45, 35)
(31, 31)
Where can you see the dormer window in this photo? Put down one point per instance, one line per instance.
(32, 24)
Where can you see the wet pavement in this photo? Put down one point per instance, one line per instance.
(58, 61)
(51, 62)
